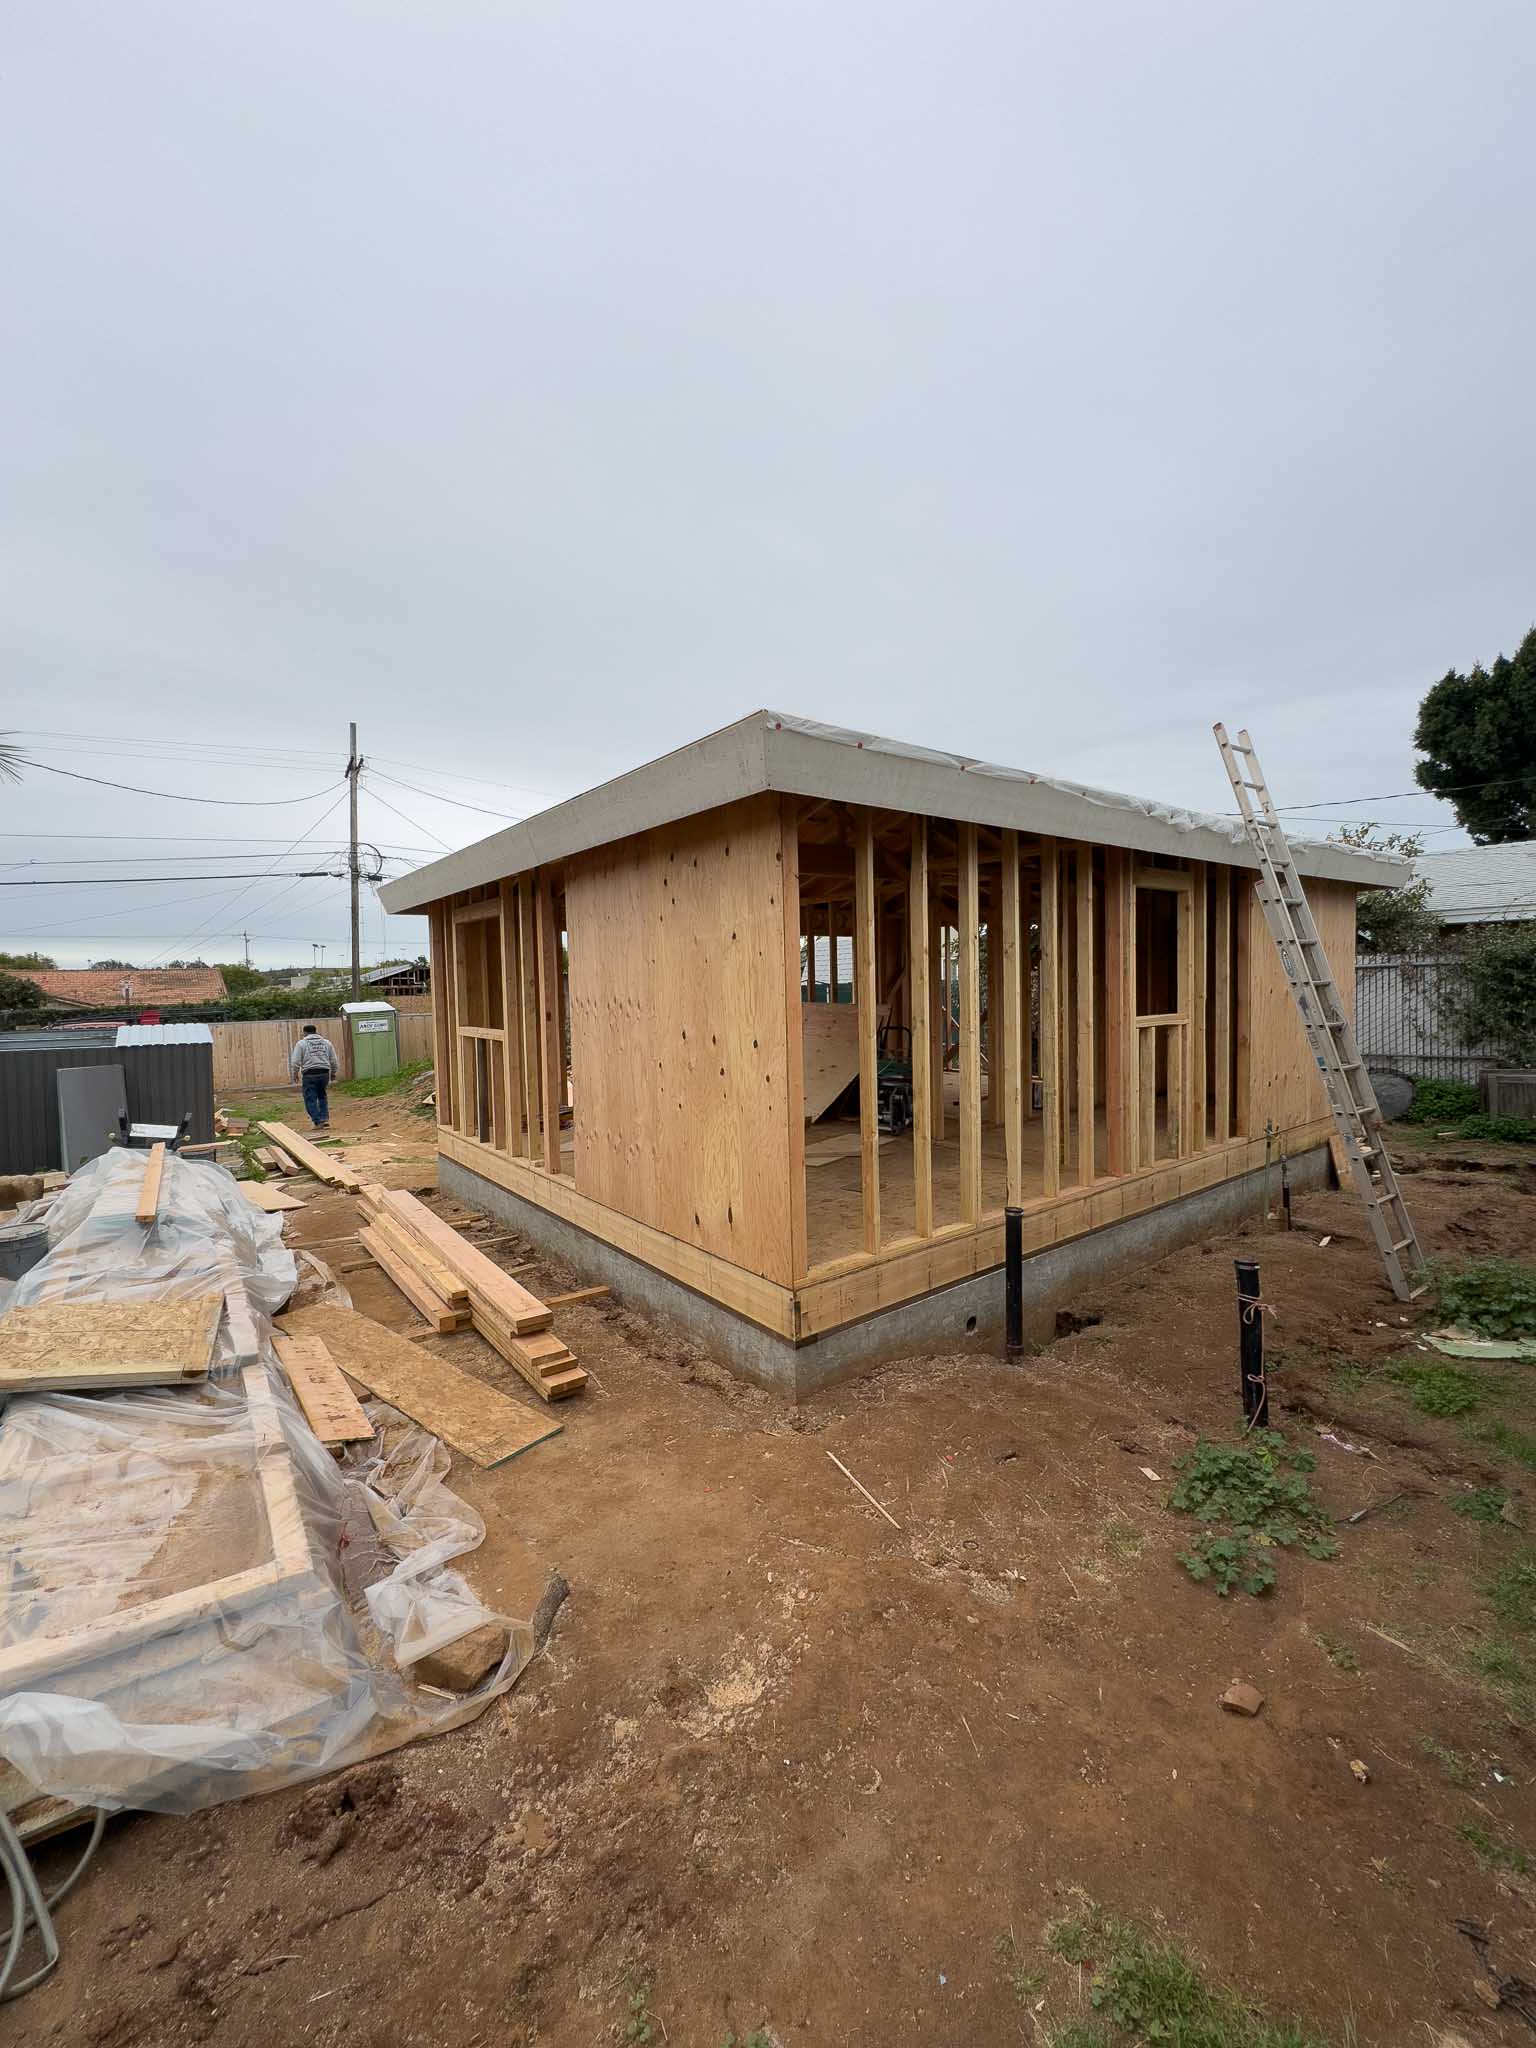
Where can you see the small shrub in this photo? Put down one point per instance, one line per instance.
(1257, 1486)
(1503, 1130)
(1481, 1504)
(1442, 1102)
(1228, 1561)
(1153, 1991)
(1338, 1652)
(1440, 1389)
(1495, 1296)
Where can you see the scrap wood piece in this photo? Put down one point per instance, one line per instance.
(442, 1318)
(477, 1420)
(268, 1200)
(78, 1346)
(576, 1295)
(489, 1287)
(149, 1193)
(837, 1461)
(330, 1407)
(310, 1157)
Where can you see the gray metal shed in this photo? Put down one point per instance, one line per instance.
(167, 1068)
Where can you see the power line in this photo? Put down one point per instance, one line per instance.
(108, 881)
(175, 796)
(384, 800)
(510, 817)
(239, 893)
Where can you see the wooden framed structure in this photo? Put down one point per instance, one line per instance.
(632, 1025)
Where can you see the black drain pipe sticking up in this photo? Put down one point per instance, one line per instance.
(1013, 1268)
(1250, 1346)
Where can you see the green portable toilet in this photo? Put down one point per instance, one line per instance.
(375, 1033)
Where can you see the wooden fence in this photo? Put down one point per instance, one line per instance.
(249, 1056)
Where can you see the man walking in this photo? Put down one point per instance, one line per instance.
(314, 1064)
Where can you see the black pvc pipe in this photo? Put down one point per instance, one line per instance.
(1013, 1269)
(1250, 1346)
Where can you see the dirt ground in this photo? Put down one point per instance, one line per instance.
(784, 1766)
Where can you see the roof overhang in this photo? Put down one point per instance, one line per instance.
(772, 750)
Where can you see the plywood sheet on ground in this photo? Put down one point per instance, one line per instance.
(270, 1200)
(462, 1410)
(79, 1345)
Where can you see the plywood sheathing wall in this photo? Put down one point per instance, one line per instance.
(1283, 1084)
(678, 996)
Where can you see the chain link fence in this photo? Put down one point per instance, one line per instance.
(1402, 1005)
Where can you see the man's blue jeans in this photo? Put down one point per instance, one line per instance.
(316, 1080)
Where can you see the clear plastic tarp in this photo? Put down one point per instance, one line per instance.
(203, 1602)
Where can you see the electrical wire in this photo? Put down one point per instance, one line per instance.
(31, 1906)
(177, 944)
(175, 796)
(510, 817)
(109, 881)
(384, 800)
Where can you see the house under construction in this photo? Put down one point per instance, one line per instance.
(768, 1032)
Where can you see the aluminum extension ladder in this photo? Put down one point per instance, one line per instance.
(1356, 1113)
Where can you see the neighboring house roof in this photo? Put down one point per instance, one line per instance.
(1482, 884)
(148, 986)
(771, 750)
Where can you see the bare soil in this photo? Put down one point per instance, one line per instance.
(784, 1765)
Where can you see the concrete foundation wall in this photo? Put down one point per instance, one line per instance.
(958, 1318)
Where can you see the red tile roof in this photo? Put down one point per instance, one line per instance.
(151, 986)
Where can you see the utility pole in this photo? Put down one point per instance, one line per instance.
(247, 938)
(353, 766)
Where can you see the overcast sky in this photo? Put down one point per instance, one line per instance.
(544, 386)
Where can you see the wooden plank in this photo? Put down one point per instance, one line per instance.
(1221, 999)
(1175, 1061)
(1007, 976)
(268, 1200)
(440, 1279)
(1195, 1118)
(920, 1001)
(438, 1314)
(57, 1346)
(149, 1193)
(970, 1028)
(830, 1039)
(1146, 1094)
(330, 1407)
(1119, 998)
(443, 1042)
(794, 1035)
(475, 1418)
(864, 999)
(1050, 1012)
(522, 1312)
(576, 1296)
(1085, 1018)
(310, 1157)
(474, 913)
(1162, 878)
(938, 958)
(1181, 1118)
(551, 1054)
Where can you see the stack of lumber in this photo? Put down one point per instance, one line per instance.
(448, 1270)
(310, 1158)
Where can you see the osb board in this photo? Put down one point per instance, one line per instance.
(463, 1411)
(679, 1032)
(270, 1200)
(841, 1145)
(1284, 1086)
(61, 1346)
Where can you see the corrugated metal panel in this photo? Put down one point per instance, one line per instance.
(29, 1095)
(164, 1034)
(164, 1081)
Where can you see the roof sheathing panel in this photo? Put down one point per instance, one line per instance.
(774, 750)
